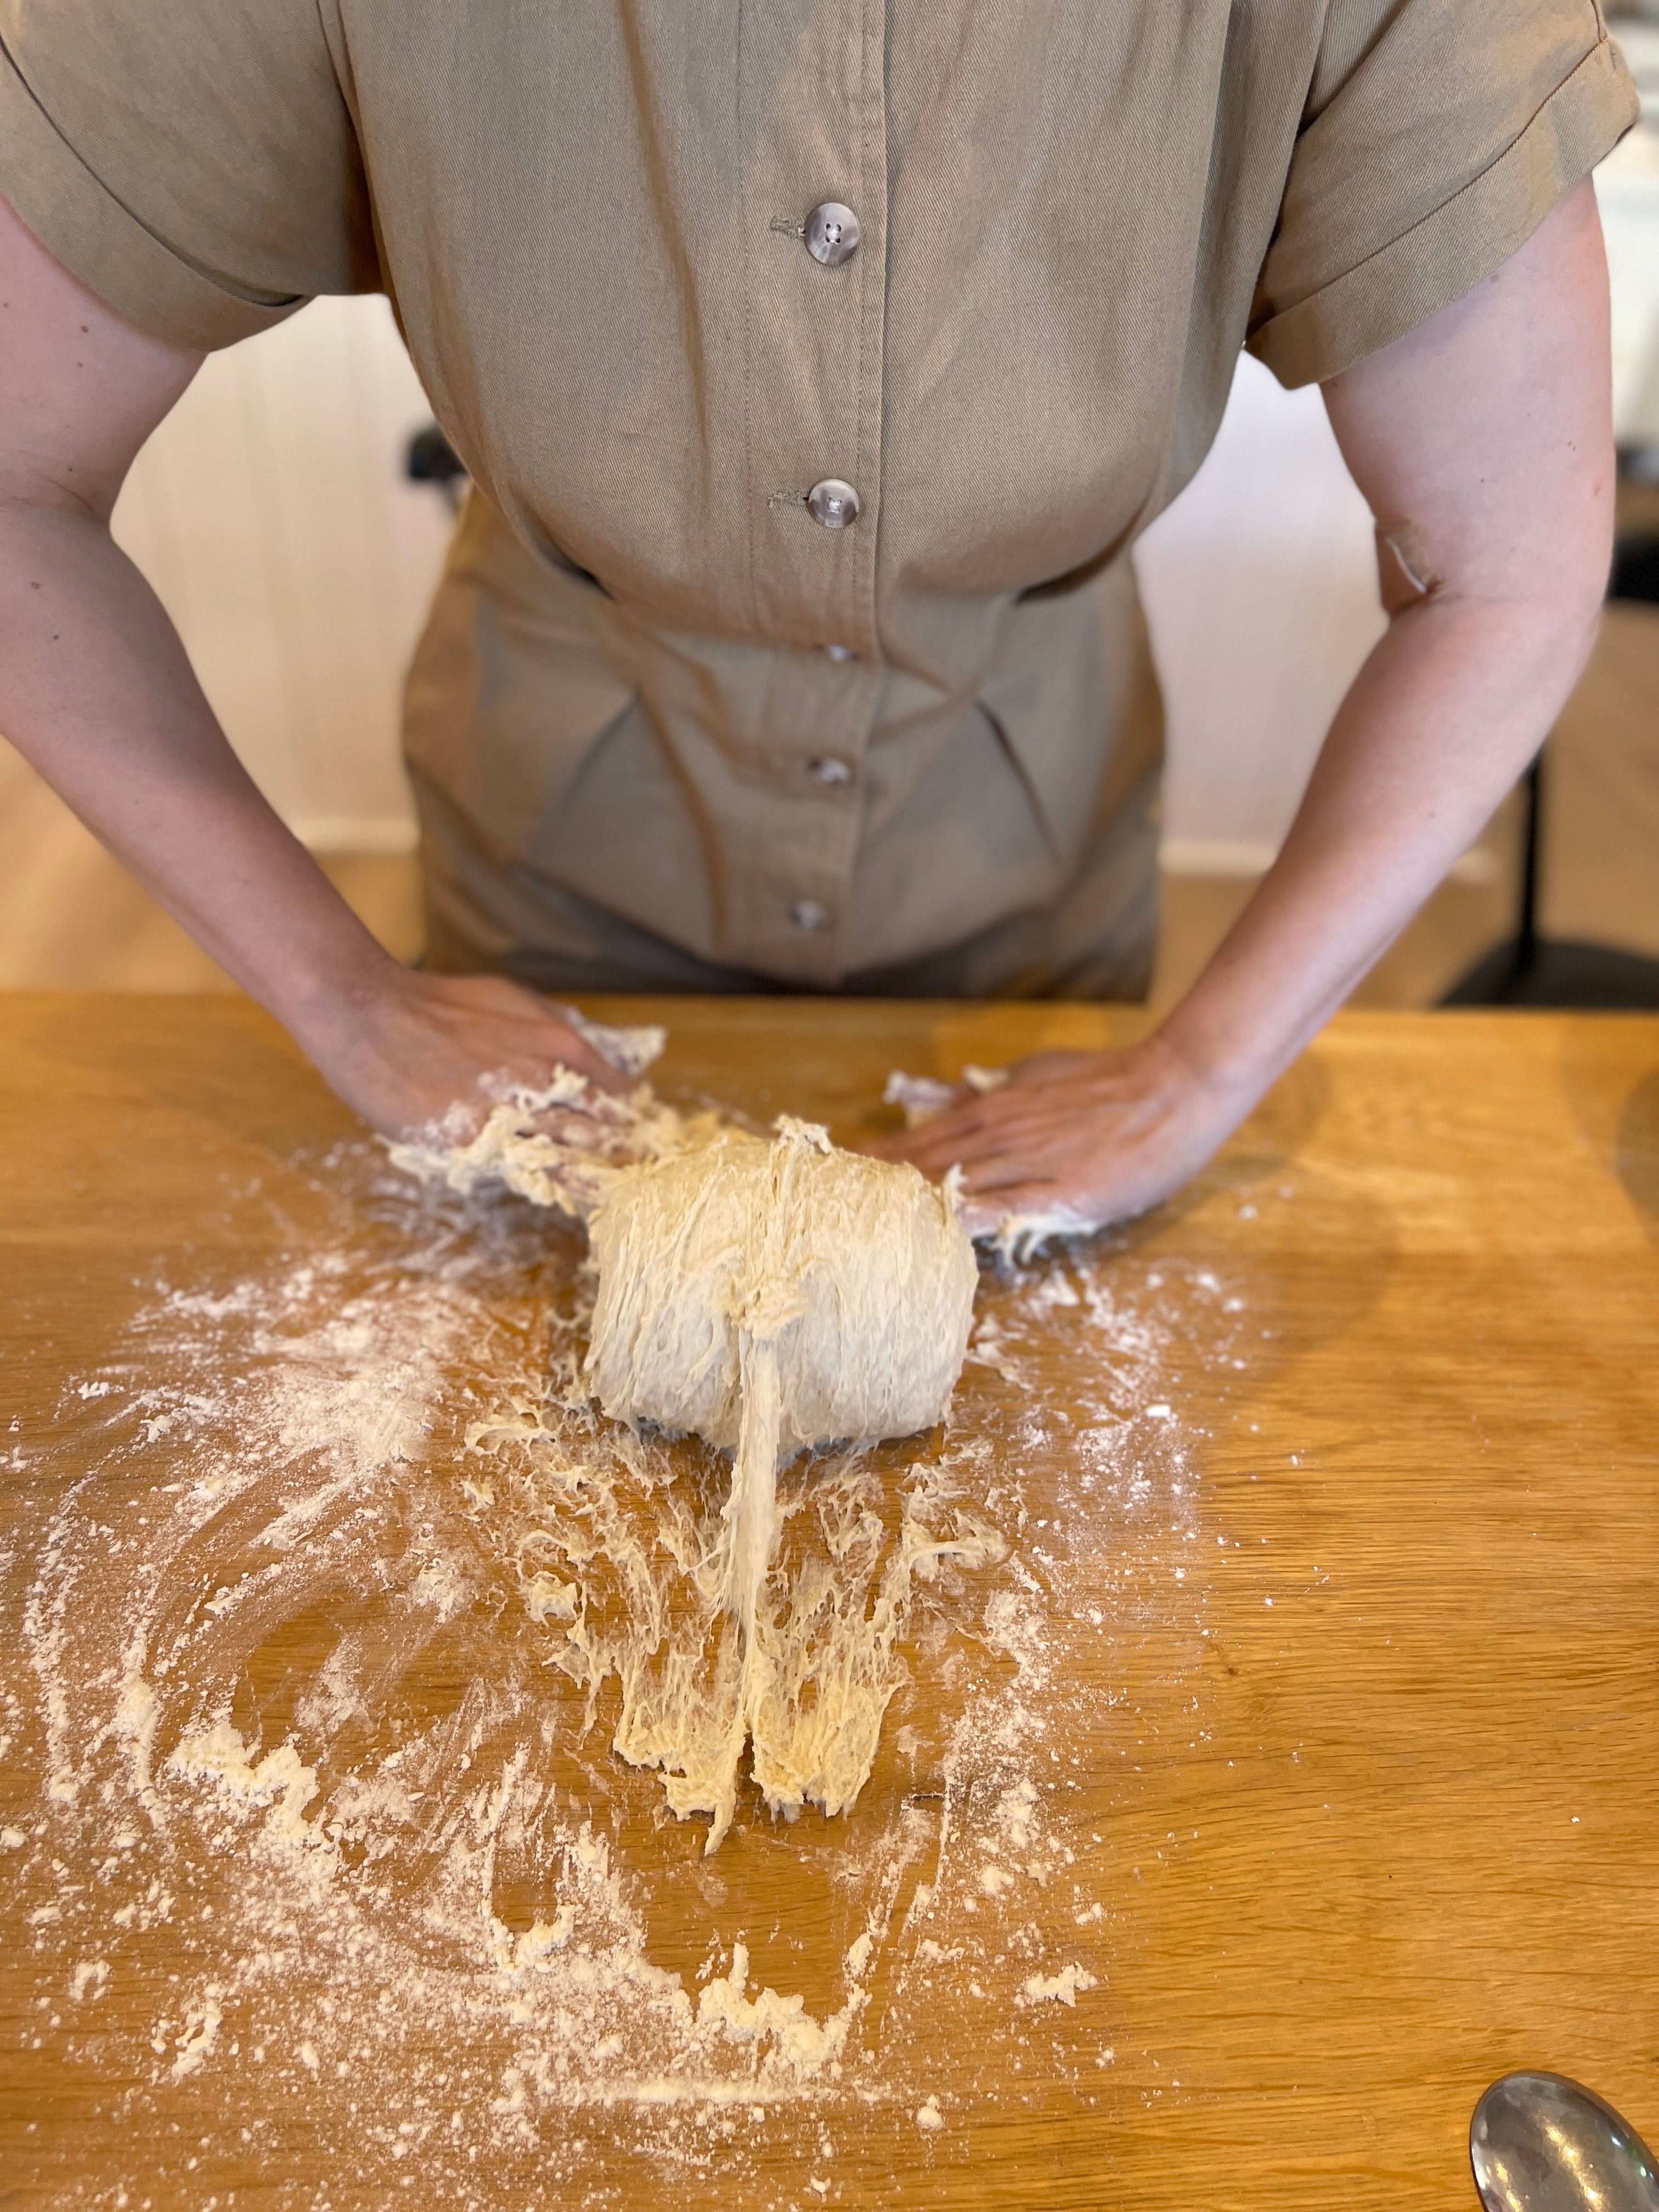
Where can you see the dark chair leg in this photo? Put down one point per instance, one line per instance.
(1532, 970)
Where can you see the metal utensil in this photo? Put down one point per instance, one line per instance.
(1539, 2142)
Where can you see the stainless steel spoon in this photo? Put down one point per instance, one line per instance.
(1541, 2143)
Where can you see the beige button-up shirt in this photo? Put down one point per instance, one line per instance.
(656, 680)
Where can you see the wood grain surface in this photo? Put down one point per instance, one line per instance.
(1348, 1743)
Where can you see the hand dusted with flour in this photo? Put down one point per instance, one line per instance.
(772, 1297)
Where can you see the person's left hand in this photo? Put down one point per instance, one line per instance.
(1083, 1137)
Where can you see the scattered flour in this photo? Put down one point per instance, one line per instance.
(324, 1672)
(1056, 1989)
(195, 2046)
(278, 1781)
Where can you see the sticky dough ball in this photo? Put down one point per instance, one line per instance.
(857, 1271)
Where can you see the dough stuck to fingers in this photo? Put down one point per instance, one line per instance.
(1016, 1233)
(561, 1146)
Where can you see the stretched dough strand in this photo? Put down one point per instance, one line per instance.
(771, 1297)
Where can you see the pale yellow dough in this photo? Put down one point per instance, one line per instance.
(771, 1297)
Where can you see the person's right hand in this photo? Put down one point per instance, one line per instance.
(425, 1057)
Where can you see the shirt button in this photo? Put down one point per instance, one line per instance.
(840, 652)
(833, 503)
(807, 914)
(830, 770)
(832, 234)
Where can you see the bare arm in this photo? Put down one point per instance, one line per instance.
(1483, 442)
(95, 689)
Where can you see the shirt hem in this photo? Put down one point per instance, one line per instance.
(1464, 240)
(104, 245)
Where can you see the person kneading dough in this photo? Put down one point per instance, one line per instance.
(816, 368)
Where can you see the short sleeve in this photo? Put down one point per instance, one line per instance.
(1437, 135)
(191, 161)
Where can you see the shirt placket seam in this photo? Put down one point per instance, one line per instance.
(871, 174)
(751, 550)
(866, 465)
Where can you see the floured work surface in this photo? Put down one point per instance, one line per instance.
(1271, 1639)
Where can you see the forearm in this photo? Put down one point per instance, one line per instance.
(96, 691)
(1446, 712)
(1482, 443)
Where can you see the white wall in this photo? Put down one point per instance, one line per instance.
(271, 513)
(1260, 591)
(1627, 187)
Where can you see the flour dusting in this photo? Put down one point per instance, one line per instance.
(341, 1602)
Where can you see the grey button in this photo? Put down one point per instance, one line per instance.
(841, 652)
(833, 503)
(832, 234)
(830, 770)
(807, 914)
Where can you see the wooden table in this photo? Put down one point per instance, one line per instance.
(1332, 1497)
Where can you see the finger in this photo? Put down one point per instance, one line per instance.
(537, 1066)
(933, 1157)
(1031, 1202)
(890, 1145)
(565, 1046)
(1043, 1067)
(1004, 1172)
(984, 1212)
(991, 1169)
(572, 1051)
(933, 1160)
(604, 1107)
(939, 1134)
(598, 1136)
(970, 1147)
(980, 1220)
